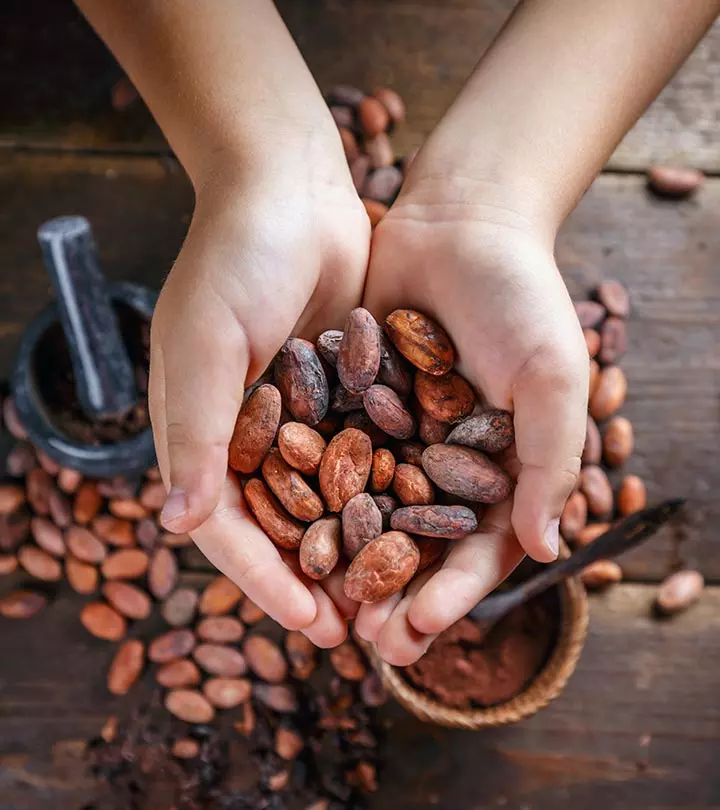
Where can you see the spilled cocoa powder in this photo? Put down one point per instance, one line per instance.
(463, 669)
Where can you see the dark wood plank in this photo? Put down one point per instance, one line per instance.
(638, 725)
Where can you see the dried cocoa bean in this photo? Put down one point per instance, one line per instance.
(361, 523)
(448, 522)
(227, 693)
(178, 674)
(185, 748)
(290, 488)
(343, 401)
(359, 420)
(126, 667)
(328, 345)
(219, 597)
(387, 505)
(47, 535)
(276, 696)
(431, 550)
(674, 181)
(382, 471)
(220, 660)
(679, 591)
(409, 453)
(129, 600)
(83, 577)
(48, 464)
(392, 102)
(431, 430)
(380, 151)
(592, 452)
(386, 410)
(8, 564)
(20, 460)
(609, 394)
(162, 573)
(255, 429)
(373, 117)
(301, 653)
(301, 380)
(14, 530)
(345, 468)
(590, 313)
(147, 534)
(39, 564)
(152, 496)
(320, 547)
(127, 508)
(250, 613)
(394, 371)
(590, 533)
(60, 509)
(220, 630)
(69, 480)
(288, 743)
(21, 604)
(618, 441)
(117, 487)
(358, 360)
(347, 662)
(592, 341)
(372, 691)
(425, 344)
(171, 645)
(383, 567)
(279, 526)
(346, 95)
(12, 420)
(189, 705)
(490, 432)
(632, 496)
(87, 503)
(102, 621)
(39, 485)
(412, 486)
(175, 540)
(349, 143)
(84, 545)
(466, 472)
(613, 340)
(114, 531)
(359, 169)
(614, 297)
(447, 398)
(600, 574)
(179, 608)
(593, 378)
(383, 183)
(265, 659)
(595, 486)
(574, 515)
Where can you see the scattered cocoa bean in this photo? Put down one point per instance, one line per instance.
(301, 447)
(320, 547)
(679, 591)
(394, 371)
(359, 420)
(423, 342)
(674, 181)
(220, 630)
(592, 452)
(361, 523)
(613, 340)
(632, 496)
(346, 95)
(301, 653)
(127, 508)
(250, 613)
(39, 485)
(592, 341)
(83, 577)
(189, 705)
(39, 564)
(412, 486)
(227, 693)
(276, 696)
(178, 674)
(347, 662)
(278, 781)
(12, 421)
(447, 398)
(358, 360)
(185, 748)
(345, 468)
(590, 313)
(60, 509)
(48, 536)
(613, 295)
(490, 432)
(359, 170)
(372, 691)
(175, 540)
(373, 117)
(328, 345)
(147, 534)
(219, 597)
(221, 660)
(171, 645)
(21, 604)
(466, 472)
(609, 394)
(14, 530)
(279, 526)
(618, 441)
(129, 600)
(383, 567)
(48, 464)
(382, 471)
(255, 429)
(386, 410)
(392, 103)
(115, 531)
(384, 183)
(265, 658)
(380, 151)
(20, 460)
(600, 574)
(126, 667)
(8, 564)
(574, 515)
(349, 143)
(152, 496)
(288, 743)
(69, 480)
(290, 488)
(448, 522)
(590, 533)
(84, 545)
(387, 505)
(301, 381)
(431, 550)
(595, 486)
(343, 401)
(179, 608)
(102, 621)
(117, 487)
(87, 503)
(409, 453)
(162, 573)
(128, 563)
(593, 378)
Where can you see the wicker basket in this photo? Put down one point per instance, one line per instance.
(546, 686)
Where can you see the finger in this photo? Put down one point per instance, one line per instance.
(235, 544)
(329, 628)
(474, 567)
(399, 642)
(550, 400)
(371, 618)
(334, 587)
(204, 372)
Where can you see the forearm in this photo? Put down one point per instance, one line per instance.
(551, 99)
(223, 78)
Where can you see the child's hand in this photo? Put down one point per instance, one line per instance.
(492, 283)
(281, 253)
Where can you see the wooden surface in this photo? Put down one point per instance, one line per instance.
(425, 49)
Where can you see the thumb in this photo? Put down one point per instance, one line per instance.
(550, 400)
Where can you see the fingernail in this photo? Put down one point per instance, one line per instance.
(175, 506)
(552, 536)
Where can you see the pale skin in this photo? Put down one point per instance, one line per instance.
(280, 244)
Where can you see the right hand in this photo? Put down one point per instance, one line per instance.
(276, 252)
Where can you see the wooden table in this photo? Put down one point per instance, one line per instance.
(639, 724)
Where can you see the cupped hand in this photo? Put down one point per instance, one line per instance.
(487, 274)
(279, 252)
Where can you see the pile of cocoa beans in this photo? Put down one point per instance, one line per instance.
(369, 409)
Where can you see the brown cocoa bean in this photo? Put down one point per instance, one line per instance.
(128, 563)
(278, 697)
(361, 523)
(380, 151)
(632, 496)
(301, 381)
(147, 534)
(8, 564)
(250, 613)
(162, 573)
(674, 181)
(47, 535)
(227, 693)
(589, 313)
(600, 574)
(320, 547)
(290, 488)
(84, 545)
(448, 522)
(593, 378)
(178, 674)
(117, 487)
(255, 429)
(83, 577)
(39, 564)
(384, 182)
(394, 370)
(20, 460)
(288, 743)
(114, 531)
(613, 295)
(386, 410)
(219, 597)
(127, 508)
(343, 401)
(387, 505)
(218, 659)
(431, 550)
(358, 360)
(383, 567)
(349, 143)
(409, 453)
(328, 345)
(87, 503)
(171, 645)
(359, 169)
(152, 496)
(372, 691)
(679, 591)
(12, 420)
(185, 748)
(346, 95)
(592, 452)
(301, 653)
(613, 339)
(423, 342)
(592, 341)
(412, 486)
(392, 102)
(279, 526)
(618, 441)
(39, 485)
(359, 420)
(69, 480)
(179, 608)
(126, 667)
(246, 725)
(129, 600)
(12, 498)
(110, 729)
(590, 533)
(21, 604)
(14, 530)
(574, 515)
(60, 509)
(382, 471)
(373, 117)
(447, 398)
(431, 430)
(265, 659)
(102, 621)
(466, 472)
(189, 705)
(609, 394)
(345, 468)
(48, 464)
(220, 630)
(595, 486)
(175, 540)
(346, 660)
(490, 432)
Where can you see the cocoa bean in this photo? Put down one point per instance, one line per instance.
(126, 667)
(178, 674)
(431, 430)
(276, 696)
(290, 488)
(87, 503)
(250, 613)
(392, 102)
(679, 591)
(39, 485)
(359, 420)
(361, 523)
(372, 691)
(595, 486)
(373, 117)
(179, 608)
(114, 531)
(343, 401)
(47, 535)
(84, 545)
(147, 534)
(613, 295)
(301, 381)
(412, 486)
(574, 515)
(127, 508)
(129, 600)
(152, 496)
(466, 472)
(345, 468)
(60, 509)
(69, 480)
(592, 341)
(382, 471)
(590, 533)
(589, 313)
(255, 429)
(320, 547)
(219, 597)
(447, 398)
(592, 452)
(383, 567)
(301, 654)
(409, 453)
(593, 378)
(48, 464)
(387, 505)
(448, 522)
(359, 169)
(425, 344)
(288, 743)
(349, 144)
(346, 95)
(431, 550)
(490, 432)
(328, 345)
(632, 496)
(102, 621)
(189, 705)
(394, 371)
(613, 340)
(330, 425)
(384, 183)
(12, 420)
(343, 116)
(117, 487)
(8, 564)
(218, 659)
(171, 645)
(20, 460)
(175, 540)
(345, 659)
(609, 394)
(600, 574)
(618, 441)
(265, 659)
(39, 564)
(246, 725)
(128, 563)
(220, 630)
(386, 410)
(83, 577)
(185, 748)
(162, 573)
(358, 360)
(21, 604)
(14, 530)
(279, 526)
(227, 693)
(110, 729)
(380, 151)
(674, 181)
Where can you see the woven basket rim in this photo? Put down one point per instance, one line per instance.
(545, 687)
